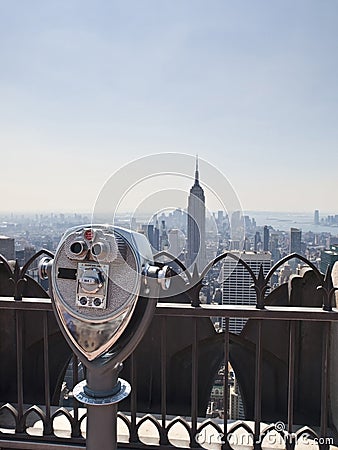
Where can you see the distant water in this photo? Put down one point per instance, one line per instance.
(283, 221)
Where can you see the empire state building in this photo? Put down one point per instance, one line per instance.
(196, 225)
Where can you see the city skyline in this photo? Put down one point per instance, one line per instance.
(86, 89)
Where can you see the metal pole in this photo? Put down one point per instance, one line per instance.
(101, 427)
(101, 418)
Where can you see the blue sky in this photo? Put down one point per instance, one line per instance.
(251, 86)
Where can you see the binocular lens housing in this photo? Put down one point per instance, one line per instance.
(97, 249)
(78, 248)
(101, 250)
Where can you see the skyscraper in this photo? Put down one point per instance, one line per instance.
(7, 248)
(257, 241)
(164, 243)
(196, 225)
(237, 282)
(316, 217)
(328, 258)
(266, 237)
(295, 240)
(149, 232)
(274, 247)
(156, 235)
(176, 242)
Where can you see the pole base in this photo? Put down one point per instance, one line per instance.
(81, 394)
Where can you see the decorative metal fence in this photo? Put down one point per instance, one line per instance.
(33, 426)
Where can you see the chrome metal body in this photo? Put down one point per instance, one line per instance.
(95, 284)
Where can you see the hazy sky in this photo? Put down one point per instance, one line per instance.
(88, 86)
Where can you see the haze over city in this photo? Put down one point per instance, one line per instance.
(88, 87)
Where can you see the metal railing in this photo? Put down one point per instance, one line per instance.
(20, 433)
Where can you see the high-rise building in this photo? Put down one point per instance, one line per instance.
(316, 217)
(266, 237)
(30, 251)
(237, 282)
(196, 225)
(22, 256)
(274, 247)
(237, 231)
(295, 240)
(176, 242)
(164, 243)
(328, 258)
(246, 244)
(156, 236)
(148, 230)
(7, 248)
(257, 241)
(234, 400)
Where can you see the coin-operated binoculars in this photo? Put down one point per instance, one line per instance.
(104, 287)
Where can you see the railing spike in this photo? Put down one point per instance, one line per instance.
(260, 285)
